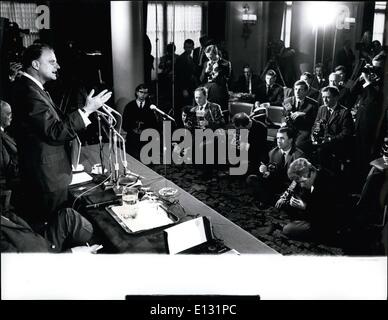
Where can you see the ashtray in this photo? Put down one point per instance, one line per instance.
(168, 194)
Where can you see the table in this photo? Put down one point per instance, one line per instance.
(153, 242)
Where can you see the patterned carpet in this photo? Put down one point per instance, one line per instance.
(228, 196)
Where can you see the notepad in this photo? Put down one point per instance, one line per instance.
(80, 177)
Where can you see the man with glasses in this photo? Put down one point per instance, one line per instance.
(138, 116)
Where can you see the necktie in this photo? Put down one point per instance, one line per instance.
(200, 57)
(283, 160)
(329, 113)
(267, 89)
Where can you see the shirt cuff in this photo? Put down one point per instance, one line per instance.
(84, 117)
(366, 84)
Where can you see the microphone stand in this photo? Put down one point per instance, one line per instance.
(100, 143)
(117, 181)
(109, 184)
(165, 145)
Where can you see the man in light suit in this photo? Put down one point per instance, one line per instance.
(300, 112)
(44, 135)
(208, 115)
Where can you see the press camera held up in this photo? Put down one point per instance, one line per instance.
(318, 132)
(285, 198)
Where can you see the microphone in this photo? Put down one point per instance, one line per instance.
(153, 107)
(107, 110)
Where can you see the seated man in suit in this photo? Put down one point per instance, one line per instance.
(247, 82)
(68, 231)
(314, 204)
(272, 178)
(336, 79)
(8, 150)
(312, 92)
(138, 116)
(332, 130)
(208, 115)
(270, 91)
(257, 136)
(300, 112)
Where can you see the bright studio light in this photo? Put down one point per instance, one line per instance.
(321, 13)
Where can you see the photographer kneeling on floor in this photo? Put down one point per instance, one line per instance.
(313, 204)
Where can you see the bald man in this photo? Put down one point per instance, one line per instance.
(8, 150)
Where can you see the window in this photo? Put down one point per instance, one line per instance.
(188, 21)
(187, 25)
(286, 25)
(24, 15)
(379, 21)
(155, 32)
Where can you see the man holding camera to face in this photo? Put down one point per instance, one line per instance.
(313, 205)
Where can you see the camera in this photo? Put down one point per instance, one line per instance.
(371, 72)
(318, 134)
(287, 195)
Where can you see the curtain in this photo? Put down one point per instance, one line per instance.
(188, 24)
(155, 31)
(24, 15)
(276, 11)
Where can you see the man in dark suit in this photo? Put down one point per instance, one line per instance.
(199, 56)
(138, 116)
(247, 82)
(315, 206)
(186, 80)
(312, 92)
(215, 77)
(68, 231)
(257, 136)
(272, 178)
(270, 91)
(338, 128)
(319, 79)
(346, 58)
(300, 112)
(44, 135)
(368, 122)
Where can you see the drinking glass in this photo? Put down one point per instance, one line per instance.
(130, 199)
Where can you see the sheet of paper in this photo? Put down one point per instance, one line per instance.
(149, 216)
(186, 235)
(80, 177)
